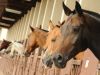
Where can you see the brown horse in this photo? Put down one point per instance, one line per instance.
(4, 44)
(79, 32)
(53, 33)
(36, 39)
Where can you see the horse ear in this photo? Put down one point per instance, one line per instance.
(78, 8)
(40, 26)
(66, 9)
(61, 23)
(32, 29)
(4, 40)
(51, 26)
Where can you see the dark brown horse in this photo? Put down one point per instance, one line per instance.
(80, 31)
(4, 44)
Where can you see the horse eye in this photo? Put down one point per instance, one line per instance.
(76, 28)
(53, 40)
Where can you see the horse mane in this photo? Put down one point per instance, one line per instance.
(44, 30)
(92, 13)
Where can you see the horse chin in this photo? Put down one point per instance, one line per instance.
(47, 61)
(60, 65)
(48, 66)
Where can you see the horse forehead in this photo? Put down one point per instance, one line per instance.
(74, 19)
(38, 31)
(56, 32)
(32, 34)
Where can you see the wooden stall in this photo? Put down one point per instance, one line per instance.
(40, 14)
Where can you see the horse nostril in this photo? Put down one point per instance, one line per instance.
(59, 58)
(48, 63)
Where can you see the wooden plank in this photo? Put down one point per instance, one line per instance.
(27, 66)
(34, 62)
(89, 66)
(57, 71)
(77, 62)
(31, 63)
(15, 65)
(24, 64)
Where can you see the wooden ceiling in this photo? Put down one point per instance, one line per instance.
(12, 10)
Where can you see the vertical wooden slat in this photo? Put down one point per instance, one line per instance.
(35, 16)
(30, 66)
(47, 13)
(76, 67)
(41, 12)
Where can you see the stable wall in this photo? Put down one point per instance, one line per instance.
(52, 10)
(45, 11)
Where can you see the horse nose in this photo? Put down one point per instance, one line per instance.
(47, 62)
(27, 54)
(58, 58)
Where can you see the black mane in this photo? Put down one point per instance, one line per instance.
(92, 13)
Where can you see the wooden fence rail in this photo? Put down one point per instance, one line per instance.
(33, 66)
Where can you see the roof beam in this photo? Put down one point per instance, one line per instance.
(7, 18)
(13, 11)
(4, 24)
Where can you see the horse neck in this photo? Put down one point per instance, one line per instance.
(92, 23)
(41, 38)
(92, 13)
(93, 35)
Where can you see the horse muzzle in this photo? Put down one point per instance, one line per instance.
(59, 61)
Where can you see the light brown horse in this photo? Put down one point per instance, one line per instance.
(79, 32)
(36, 39)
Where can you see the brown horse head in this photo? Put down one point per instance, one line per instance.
(4, 44)
(50, 45)
(61, 40)
(36, 39)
